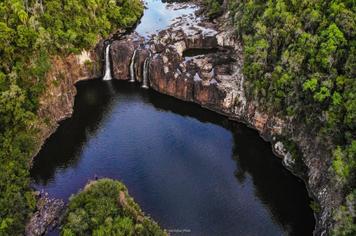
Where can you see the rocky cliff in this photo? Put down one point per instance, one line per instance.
(197, 61)
(57, 102)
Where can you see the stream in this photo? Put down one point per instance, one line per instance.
(192, 170)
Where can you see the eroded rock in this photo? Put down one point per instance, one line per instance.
(215, 81)
(47, 216)
(121, 53)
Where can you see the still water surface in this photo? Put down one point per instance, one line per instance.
(187, 167)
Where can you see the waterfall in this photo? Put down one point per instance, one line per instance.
(132, 67)
(107, 75)
(145, 73)
(146, 68)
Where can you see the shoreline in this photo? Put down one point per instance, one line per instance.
(265, 131)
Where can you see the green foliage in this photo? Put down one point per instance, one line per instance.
(345, 216)
(300, 61)
(31, 32)
(315, 206)
(341, 167)
(105, 208)
(16, 200)
(344, 163)
(301, 54)
(213, 8)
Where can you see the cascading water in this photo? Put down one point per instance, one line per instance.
(146, 66)
(132, 67)
(248, 196)
(107, 75)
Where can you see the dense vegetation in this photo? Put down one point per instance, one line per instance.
(214, 7)
(300, 62)
(105, 208)
(31, 32)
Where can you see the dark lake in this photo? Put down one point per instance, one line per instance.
(192, 170)
(187, 167)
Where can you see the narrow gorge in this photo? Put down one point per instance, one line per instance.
(162, 107)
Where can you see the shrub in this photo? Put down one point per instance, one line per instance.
(105, 208)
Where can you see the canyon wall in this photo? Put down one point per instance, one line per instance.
(201, 62)
(56, 104)
(57, 101)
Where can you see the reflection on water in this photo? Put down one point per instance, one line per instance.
(187, 167)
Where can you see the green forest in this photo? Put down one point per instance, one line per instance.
(105, 208)
(31, 32)
(300, 62)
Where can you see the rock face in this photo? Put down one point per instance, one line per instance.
(48, 215)
(57, 102)
(121, 53)
(195, 62)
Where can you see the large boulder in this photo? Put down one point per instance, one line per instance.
(121, 52)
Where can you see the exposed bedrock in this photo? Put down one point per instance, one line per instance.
(47, 217)
(121, 53)
(195, 62)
